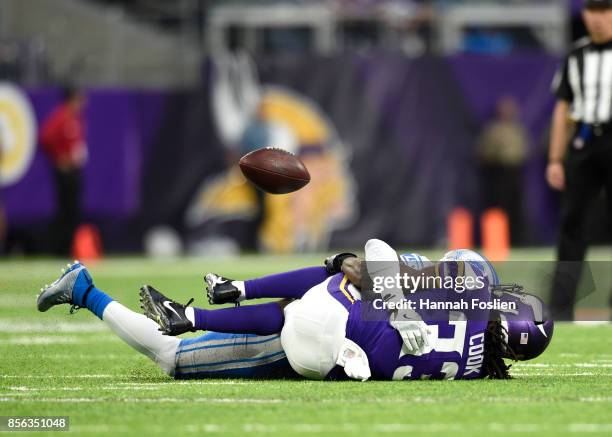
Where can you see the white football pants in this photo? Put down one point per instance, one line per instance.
(314, 332)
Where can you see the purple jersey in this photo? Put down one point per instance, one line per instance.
(457, 346)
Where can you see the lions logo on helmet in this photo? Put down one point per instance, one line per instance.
(477, 263)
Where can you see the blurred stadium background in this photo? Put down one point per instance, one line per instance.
(387, 103)
(395, 106)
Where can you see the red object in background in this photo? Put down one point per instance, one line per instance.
(495, 234)
(63, 135)
(87, 244)
(460, 228)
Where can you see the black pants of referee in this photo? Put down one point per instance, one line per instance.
(68, 209)
(588, 170)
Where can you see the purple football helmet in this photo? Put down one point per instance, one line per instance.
(528, 328)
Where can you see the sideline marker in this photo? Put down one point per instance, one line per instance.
(495, 234)
(87, 244)
(460, 229)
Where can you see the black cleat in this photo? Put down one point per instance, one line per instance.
(168, 314)
(221, 290)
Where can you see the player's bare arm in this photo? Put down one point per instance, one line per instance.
(561, 127)
(353, 269)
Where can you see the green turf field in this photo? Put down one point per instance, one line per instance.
(56, 364)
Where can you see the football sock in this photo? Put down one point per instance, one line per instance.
(92, 298)
(264, 319)
(240, 286)
(189, 313)
(293, 284)
(142, 334)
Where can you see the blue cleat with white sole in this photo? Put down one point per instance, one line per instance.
(74, 281)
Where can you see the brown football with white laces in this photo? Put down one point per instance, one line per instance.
(274, 171)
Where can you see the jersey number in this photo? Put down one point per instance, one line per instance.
(455, 344)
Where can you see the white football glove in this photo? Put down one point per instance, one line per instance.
(412, 329)
(354, 360)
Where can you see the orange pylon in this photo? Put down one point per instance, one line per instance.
(460, 228)
(495, 234)
(87, 244)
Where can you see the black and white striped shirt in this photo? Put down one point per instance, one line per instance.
(585, 81)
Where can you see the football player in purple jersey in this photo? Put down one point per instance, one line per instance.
(329, 331)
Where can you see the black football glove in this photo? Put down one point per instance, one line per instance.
(333, 264)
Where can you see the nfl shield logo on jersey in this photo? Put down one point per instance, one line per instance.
(524, 337)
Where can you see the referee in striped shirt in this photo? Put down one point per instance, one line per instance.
(583, 88)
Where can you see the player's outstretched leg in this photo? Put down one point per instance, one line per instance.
(221, 355)
(175, 319)
(288, 285)
(75, 287)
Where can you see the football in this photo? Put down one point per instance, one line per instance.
(275, 171)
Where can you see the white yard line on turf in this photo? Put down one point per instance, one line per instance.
(17, 327)
(169, 382)
(597, 365)
(60, 376)
(28, 391)
(590, 323)
(13, 300)
(83, 356)
(589, 427)
(33, 394)
(542, 365)
(99, 429)
(44, 340)
(597, 399)
(7, 398)
(318, 428)
(313, 428)
(191, 383)
(122, 386)
(559, 375)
